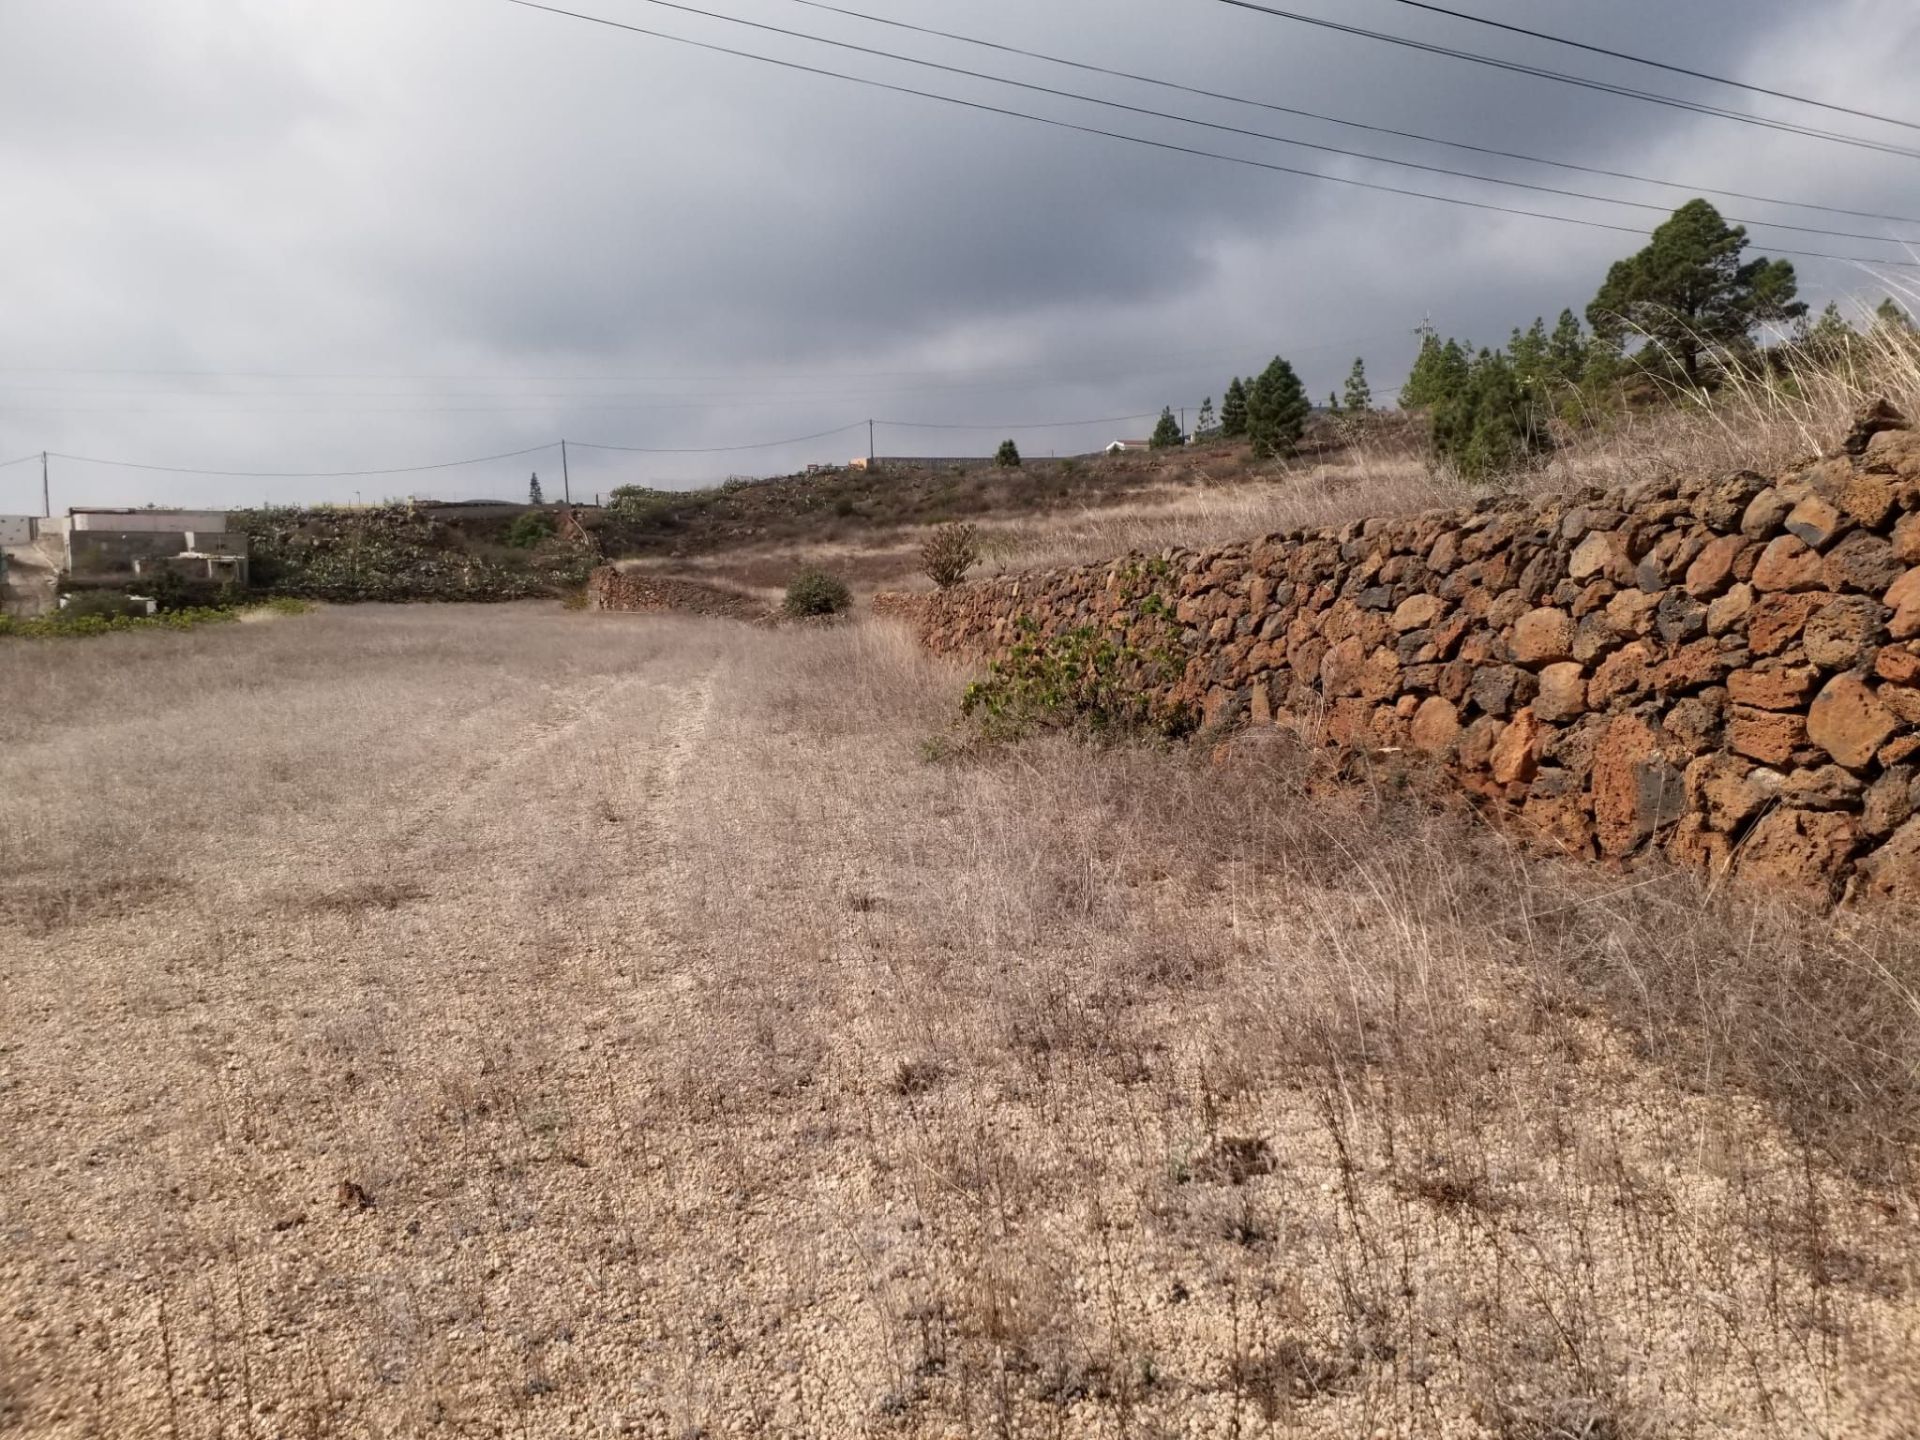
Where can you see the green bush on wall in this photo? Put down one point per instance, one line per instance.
(1080, 680)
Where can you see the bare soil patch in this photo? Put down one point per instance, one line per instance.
(599, 1025)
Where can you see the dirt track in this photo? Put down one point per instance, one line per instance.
(505, 1022)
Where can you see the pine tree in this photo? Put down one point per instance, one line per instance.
(1487, 423)
(1359, 395)
(1888, 315)
(1166, 434)
(1691, 298)
(1205, 425)
(1233, 410)
(533, 490)
(1426, 383)
(1007, 457)
(1333, 402)
(1829, 337)
(1277, 410)
(1567, 350)
(1527, 351)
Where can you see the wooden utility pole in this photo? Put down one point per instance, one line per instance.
(566, 481)
(46, 491)
(869, 444)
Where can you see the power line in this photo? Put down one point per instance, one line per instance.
(1242, 130)
(1349, 124)
(1655, 64)
(1044, 425)
(7, 464)
(974, 371)
(1697, 107)
(714, 449)
(589, 401)
(300, 474)
(1165, 145)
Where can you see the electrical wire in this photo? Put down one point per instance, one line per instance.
(511, 401)
(1656, 64)
(1165, 145)
(1244, 131)
(301, 474)
(1044, 425)
(1008, 370)
(1697, 107)
(714, 449)
(8, 464)
(1349, 124)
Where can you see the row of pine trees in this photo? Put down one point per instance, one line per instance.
(1269, 411)
(1680, 315)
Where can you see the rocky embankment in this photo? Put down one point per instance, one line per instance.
(1725, 669)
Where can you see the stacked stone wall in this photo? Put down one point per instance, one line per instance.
(1724, 669)
(612, 589)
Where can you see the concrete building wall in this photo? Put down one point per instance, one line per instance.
(175, 522)
(99, 552)
(16, 529)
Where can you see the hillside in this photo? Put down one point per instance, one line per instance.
(752, 534)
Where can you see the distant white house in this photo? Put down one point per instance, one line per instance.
(1125, 447)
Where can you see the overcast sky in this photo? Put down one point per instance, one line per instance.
(304, 235)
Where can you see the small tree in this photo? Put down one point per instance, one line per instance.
(1888, 316)
(1333, 402)
(814, 592)
(1166, 434)
(529, 529)
(1007, 457)
(1440, 370)
(1487, 423)
(949, 553)
(1359, 396)
(1233, 411)
(1830, 337)
(1205, 425)
(1277, 410)
(533, 490)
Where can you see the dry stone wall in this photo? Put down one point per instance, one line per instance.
(1724, 669)
(609, 588)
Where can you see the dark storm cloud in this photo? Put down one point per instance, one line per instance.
(532, 226)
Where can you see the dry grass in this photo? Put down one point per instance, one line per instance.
(1800, 408)
(1216, 497)
(580, 1025)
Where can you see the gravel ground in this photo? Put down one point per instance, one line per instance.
(450, 1021)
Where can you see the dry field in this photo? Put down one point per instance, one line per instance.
(504, 1022)
(1211, 501)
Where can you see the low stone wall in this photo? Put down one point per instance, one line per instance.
(1724, 668)
(612, 589)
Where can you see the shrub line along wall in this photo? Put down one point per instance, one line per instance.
(1726, 669)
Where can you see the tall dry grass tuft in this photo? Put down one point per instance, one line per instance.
(1768, 417)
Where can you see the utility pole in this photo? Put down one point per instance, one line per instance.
(869, 444)
(46, 492)
(566, 482)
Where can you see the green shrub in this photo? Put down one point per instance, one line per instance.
(1082, 681)
(66, 624)
(1007, 457)
(106, 604)
(814, 592)
(949, 553)
(530, 529)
